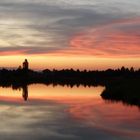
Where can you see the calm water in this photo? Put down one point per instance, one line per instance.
(64, 113)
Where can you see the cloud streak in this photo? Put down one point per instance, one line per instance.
(100, 28)
(119, 38)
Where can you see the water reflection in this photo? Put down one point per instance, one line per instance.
(43, 92)
(107, 96)
(62, 113)
(25, 92)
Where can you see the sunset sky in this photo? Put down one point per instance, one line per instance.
(84, 34)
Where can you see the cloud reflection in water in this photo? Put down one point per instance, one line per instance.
(59, 114)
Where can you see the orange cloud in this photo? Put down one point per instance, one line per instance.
(117, 39)
(14, 52)
(120, 38)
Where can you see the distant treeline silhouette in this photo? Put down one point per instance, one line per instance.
(121, 84)
(67, 76)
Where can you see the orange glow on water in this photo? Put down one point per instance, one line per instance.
(83, 104)
(43, 92)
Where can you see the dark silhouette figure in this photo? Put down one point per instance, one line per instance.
(25, 92)
(25, 65)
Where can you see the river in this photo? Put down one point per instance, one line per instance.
(54, 112)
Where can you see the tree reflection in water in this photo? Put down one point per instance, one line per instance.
(25, 92)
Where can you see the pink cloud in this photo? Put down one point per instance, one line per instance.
(120, 38)
(117, 39)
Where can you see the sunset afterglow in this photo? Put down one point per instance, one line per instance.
(69, 69)
(70, 34)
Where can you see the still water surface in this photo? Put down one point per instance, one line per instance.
(64, 113)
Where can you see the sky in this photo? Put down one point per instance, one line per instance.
(79, 34)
